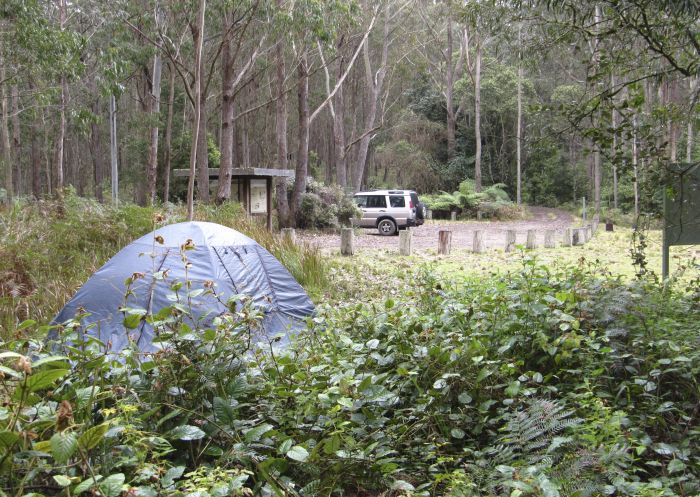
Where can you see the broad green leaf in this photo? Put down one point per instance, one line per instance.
(92, 436)
(298, 453)
(9, 354)
(186, 432)
(402, 486)
(131, 321)
(8, 439)
(62, 480)
(254, 434)
(83, 395)
(55, 360)
(171, 475)
(464, 398)
(285, 446)
(457, 433)
(112, 485)
(63, 446)
(675, 466)
(87, 484)
(10, 372)
(43, 379)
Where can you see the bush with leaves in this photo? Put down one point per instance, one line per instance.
(325, 206)
(493, 201)
(532, 383)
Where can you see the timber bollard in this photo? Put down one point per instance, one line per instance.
(549, 239)
(567, 240)
(531, 242)
(510, 241)
(478, 246)
(444, 242)
(405, 242)
(289, 234)
(589, 232)
(453, 216)
(347, 241)
(429, 214)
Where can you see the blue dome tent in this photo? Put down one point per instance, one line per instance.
(220, 258)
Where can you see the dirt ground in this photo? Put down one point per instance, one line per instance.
(425, 237)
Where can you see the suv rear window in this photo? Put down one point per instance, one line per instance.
(397, 201)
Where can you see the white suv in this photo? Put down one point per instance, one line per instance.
(389, 210)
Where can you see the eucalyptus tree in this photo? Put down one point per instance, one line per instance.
(444, 69)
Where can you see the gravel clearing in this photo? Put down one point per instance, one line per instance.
(425, 237)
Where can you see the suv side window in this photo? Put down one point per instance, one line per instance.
(376, 201)
(360, 200)
(397, 201)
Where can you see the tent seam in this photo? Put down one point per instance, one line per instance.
(233, 283)
(269, 281)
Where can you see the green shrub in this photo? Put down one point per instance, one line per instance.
(325, 207)
(531, 383)
(493, 201)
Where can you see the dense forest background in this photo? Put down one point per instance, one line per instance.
(554, 99)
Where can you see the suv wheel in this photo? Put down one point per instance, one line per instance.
(386, 227)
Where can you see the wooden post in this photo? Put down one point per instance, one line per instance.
(405, 242)
(567, 240)
(289, 234)
(429, 214)
(589, 232)
(531, 242)
(549, 239)
(444, 242)
(347, 241)
(510, 241)
(453, 216)
(478, 242)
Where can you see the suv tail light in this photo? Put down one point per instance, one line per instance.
(410, 204)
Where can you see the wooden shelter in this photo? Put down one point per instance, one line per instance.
(251, 186)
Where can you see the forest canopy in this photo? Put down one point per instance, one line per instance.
(554, 99)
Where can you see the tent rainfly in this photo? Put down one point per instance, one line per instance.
(221, 257)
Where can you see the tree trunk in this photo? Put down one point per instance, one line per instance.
(519, 125)
(16, 142)
(374, 89)
(154, 112)
(614, 146)
(477, 118)
(35, 153)
(61, 135)
(634, 167)
(449, 84)
(167, 153)
(597, 173)
(96, 151)
(223, 192)
(341, 163)
(303, 144)
(198, 38)
(114, 167)
(689, 142)
(203, 153)
(281, 133)
(5, 138)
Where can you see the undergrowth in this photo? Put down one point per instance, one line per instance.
(532, 383)
(49, 248)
